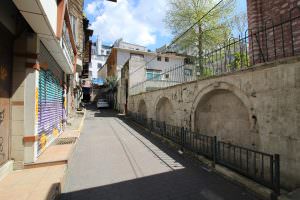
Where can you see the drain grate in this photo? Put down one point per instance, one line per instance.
(62, 141)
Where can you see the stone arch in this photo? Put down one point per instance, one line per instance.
(142, 108)
(222, 110)
(164, 110)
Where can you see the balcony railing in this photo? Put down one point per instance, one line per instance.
(66, 45)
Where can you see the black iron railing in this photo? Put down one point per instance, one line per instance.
(270, 42)
(261, 167)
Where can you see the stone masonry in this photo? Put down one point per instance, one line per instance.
(258, 108)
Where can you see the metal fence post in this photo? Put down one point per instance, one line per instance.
(150, 125)
(164, 128)
(182, 136)
(277, 174)
(214, 151)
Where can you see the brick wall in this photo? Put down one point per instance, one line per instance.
(267, 43)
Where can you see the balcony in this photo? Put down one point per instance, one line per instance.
(42, 17)
(66, 45)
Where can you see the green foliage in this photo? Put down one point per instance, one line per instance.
(211, 31)
(240, 60)
(207, 72)
(112, 82)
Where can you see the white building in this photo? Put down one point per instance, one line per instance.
(99, 56)
(122, 51)
(133, 64)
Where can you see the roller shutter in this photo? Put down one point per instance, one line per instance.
(50, 103)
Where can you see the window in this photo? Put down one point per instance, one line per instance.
(166, 59)
(188, 72)
(167, 76)
(158, 58)
(138, 56)
(188, 61)
(153, 75)
(73, 21)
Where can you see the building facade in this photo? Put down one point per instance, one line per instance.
(100, 53)
(133, 67)
(41, 52)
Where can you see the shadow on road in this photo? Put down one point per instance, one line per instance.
(190, 183)
(175, 185)
(100, 112)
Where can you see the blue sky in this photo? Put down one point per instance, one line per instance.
(136, 21)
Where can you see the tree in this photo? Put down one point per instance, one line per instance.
(211, 31)
(239, 23)
(112, 82)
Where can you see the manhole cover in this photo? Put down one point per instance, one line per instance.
(62, 141)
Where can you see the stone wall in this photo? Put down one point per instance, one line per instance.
(258, 108)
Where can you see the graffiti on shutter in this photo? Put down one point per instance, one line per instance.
(50, 108)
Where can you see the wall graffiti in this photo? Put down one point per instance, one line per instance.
(3, 73)
(2, 153)
(2, 113)
(49, 107)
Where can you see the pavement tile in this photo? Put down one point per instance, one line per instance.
(56, 153)
(31, 184)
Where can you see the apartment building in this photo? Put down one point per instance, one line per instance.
(138, 64)
(100, 53)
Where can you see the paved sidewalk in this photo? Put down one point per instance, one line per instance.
(41, 180)
(113, 161)
(55, 153)
(32, 184)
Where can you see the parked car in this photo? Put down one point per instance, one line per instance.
(102, 103)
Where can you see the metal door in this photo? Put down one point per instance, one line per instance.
(6, 43)
(50, 108)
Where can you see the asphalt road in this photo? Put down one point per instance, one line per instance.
(116, 160)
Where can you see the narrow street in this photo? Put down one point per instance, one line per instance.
(116, 160)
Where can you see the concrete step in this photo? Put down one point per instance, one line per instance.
(45, 164)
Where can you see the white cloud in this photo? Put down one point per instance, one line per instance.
(91, 8)
(136, 23)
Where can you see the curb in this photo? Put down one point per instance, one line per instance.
(63, 180)
(81, 123)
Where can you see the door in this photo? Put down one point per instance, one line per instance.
(50, 109)
(6, 43)
(50, 101)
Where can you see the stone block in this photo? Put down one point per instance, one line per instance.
(17, 143)
(17, 155)
(17, 128)
(17, 113)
